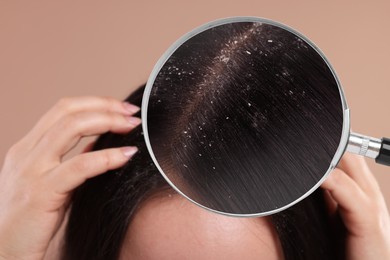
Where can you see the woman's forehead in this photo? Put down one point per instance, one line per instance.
(171, 227)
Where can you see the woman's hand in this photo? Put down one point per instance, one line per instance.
(35, 183)
(355, 194)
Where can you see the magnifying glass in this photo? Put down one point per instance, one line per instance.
(244, 116)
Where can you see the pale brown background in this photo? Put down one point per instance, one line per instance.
(51, 49)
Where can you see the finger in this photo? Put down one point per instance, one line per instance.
(73, 172)
(345, 191)
(67, 132)
(73, 104)
(356, 167)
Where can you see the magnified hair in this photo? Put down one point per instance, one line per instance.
(245, 118)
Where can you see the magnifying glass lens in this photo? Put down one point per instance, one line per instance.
(243, 118)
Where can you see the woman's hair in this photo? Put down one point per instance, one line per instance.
(104, 206)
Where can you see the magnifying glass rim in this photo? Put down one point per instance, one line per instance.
(234, 19)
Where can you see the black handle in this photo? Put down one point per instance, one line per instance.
(384, 152)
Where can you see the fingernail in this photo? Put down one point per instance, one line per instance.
(130, 107)
(134, 120)
(129, 151)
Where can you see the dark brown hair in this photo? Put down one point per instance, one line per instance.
(278, 99)
(103, 207)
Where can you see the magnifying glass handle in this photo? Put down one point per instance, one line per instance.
(384, 153)
(378, 149)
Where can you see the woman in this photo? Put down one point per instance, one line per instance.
(130, 212)
(37, 186)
